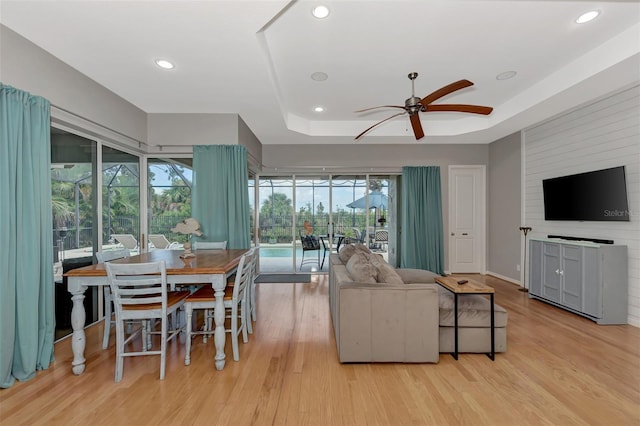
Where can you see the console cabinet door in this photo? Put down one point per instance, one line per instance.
(571, 277)
(551, 268)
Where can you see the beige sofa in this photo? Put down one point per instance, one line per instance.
(404, 318)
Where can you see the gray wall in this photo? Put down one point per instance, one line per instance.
(25, 66)
(376, 159)
(504, 207)
(192, 129)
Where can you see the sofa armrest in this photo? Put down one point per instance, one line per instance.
(388, 323)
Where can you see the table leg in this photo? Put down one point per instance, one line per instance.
(78, 315)
(218, 316)
(492, 355)
(455, 325)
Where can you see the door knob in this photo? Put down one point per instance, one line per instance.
(464, 233)
(561, 272)
(557, 271)
(452, 234)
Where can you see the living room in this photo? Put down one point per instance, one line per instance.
(600, 130)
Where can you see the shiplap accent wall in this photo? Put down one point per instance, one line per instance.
(603, 134)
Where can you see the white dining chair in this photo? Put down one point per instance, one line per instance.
(140, 293)
(235, 304)
(210, 245)
(109, 321)
(251, 305)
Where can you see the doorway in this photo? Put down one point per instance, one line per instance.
(467, 212)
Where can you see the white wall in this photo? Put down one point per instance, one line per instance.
(600, 135)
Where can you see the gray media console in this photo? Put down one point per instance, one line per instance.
(587, 278)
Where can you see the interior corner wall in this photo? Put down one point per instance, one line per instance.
(248, 139)
(192, 129)
(504, 244)
(603, 134)
(27, 67)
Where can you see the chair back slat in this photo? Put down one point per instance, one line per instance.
(210, 245)
(243, 275)
(138, 284)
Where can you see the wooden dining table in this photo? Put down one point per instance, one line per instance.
(207, 266)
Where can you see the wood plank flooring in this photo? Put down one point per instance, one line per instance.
(560, 369)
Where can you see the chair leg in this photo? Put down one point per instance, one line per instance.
(234, 333)
(189, 314)
(163, 347)
(119, 350)
(254, 311)
(107, 317)
(244, 314)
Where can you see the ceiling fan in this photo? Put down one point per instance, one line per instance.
(415, 105)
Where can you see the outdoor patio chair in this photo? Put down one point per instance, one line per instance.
(309, 243)
(382, 238)
(159, 241)
(127, 240)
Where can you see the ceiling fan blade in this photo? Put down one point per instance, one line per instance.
(444, 91)
(473, 109)
(417, 127)
(378, 123)
(381, 106)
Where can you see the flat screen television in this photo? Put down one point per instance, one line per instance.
(599, 195)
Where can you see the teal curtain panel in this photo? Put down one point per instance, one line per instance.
(26, 259)
(219, 198)
(422, 242)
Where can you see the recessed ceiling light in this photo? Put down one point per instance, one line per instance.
(163, 63)
(320, 12)
(506, 75)
(587, 16)
(319, 76)
(318, 109)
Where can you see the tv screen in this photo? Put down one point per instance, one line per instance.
(593, 196)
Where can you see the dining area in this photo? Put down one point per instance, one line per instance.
(161, 295)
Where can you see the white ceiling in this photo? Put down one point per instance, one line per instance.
(255, 58)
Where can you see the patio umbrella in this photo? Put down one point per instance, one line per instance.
(377, 200)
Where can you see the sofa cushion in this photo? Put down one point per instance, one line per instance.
(416, 276)
(473, 311)
(361, 269)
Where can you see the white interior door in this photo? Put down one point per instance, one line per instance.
(467, 219)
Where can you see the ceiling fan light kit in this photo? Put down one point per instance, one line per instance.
(414, 105)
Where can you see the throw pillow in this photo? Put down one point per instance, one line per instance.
(361, 270)
(346, 252)
(386, 273)
(362, 247)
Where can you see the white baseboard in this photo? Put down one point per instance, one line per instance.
(502, 277)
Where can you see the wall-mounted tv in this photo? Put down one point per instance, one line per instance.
(599, 195)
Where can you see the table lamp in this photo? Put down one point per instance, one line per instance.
(187, 227)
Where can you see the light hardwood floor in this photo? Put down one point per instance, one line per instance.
(560, 369)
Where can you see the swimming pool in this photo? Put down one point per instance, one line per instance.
(279, 251)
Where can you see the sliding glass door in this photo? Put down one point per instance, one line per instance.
(169, 199)
(324, 211)
(74, 211)
(275, 219)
